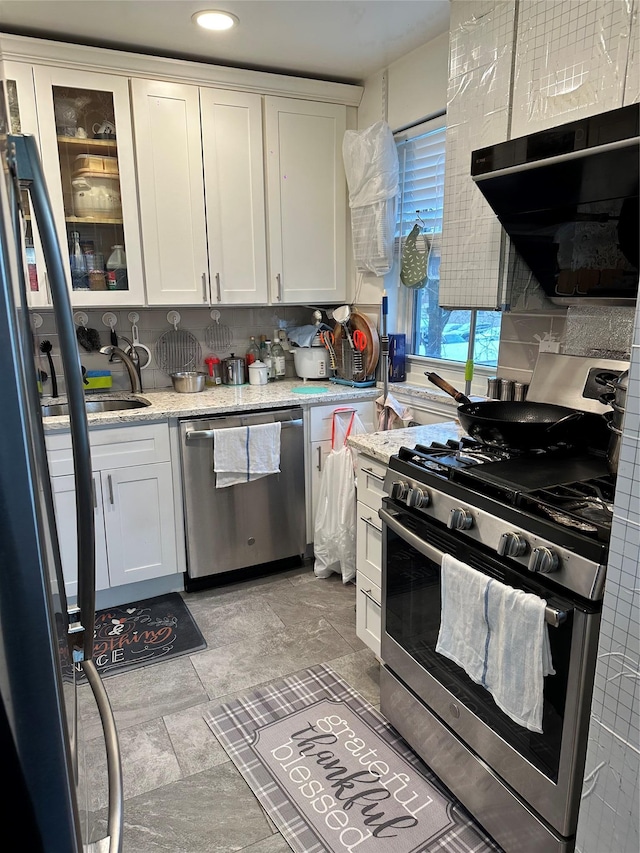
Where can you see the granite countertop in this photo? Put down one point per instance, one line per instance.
(167, 404)
(383, 445)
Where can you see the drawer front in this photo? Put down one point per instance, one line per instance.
(369, 544)
(370, 481)
(368, 614)
(321, 418)
(112, 448)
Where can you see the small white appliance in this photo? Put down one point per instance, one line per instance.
(311, 362)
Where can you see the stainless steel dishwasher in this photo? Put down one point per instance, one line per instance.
(248, 524)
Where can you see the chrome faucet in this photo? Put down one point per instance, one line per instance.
(131, 362)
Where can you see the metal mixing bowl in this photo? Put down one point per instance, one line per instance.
(188, 382)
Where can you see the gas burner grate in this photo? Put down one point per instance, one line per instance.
(586, 506)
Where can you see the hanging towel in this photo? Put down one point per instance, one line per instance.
(391, 414)
(244, 454)
(499, 636)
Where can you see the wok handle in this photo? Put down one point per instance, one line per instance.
(574, 416)
(458, 396)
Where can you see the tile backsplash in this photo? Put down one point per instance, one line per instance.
(241, 322)
(598, 331)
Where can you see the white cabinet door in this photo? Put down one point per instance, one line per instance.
(235, 199)
(307, 200)
(139, 522)
(169, 158)
(319, 452)
(368, 613)
(64, 501)
(369, 543)
(23, 118)
(91, 178)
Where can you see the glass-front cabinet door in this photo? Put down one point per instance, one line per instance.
(87, 153)
(23, 119)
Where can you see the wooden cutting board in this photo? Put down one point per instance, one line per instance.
(371, 352)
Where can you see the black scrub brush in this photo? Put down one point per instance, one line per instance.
(89, 339)
(46, 348)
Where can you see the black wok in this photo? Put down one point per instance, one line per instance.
(521, 425)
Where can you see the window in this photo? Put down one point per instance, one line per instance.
(438, 333)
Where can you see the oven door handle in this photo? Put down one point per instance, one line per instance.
(411, 538)
(552, 615)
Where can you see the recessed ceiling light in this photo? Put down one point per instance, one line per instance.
(215, 20)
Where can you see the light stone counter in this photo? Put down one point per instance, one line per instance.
(383, 445)
(168, 404)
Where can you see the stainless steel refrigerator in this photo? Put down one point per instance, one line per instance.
(44, 642)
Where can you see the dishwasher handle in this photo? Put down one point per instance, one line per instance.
(196, 434)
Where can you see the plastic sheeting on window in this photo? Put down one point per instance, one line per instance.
(372, 169)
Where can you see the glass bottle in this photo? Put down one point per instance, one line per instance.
(253, 351)
(117, 269)
(277, 357)
(265, 356)
(78, 264)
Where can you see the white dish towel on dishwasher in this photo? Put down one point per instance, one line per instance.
(244, 454)
(499, 636)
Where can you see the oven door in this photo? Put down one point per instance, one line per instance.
(544, 769)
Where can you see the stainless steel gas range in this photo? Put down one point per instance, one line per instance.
(537, 521)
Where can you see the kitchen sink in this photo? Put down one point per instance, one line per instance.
(95, 406)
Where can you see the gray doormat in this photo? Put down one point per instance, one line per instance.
(334, 776)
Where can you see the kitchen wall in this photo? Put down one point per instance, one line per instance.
(609, 813)
(242, 323)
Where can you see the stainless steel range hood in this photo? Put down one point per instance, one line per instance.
(568, 199)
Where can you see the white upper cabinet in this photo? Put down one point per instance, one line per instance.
(172, 213)
(84, 122)
(23, 118)
(234, 191)
(307, 200)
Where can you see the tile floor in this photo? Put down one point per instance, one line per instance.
(182, 793)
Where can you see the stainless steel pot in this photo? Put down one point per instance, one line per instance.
(616, 396)
(613, 449)
(233, 370)
(188, 382)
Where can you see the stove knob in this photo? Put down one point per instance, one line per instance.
(418, 498)
(543, 560)
(512, 545)
(460, 519)
(399, 490)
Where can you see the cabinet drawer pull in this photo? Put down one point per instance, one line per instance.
(367, 594)
(205, 297)
(279, 281)
(93, 492)
(218, 291)
(110, 484)
(369, 521)
(319, 459)
(373, 474)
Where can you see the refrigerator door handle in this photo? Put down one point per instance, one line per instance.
(30, 175)
(115, 818)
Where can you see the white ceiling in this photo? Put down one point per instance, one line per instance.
(340, 40)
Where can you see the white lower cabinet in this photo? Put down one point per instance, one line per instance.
(319, 446)
(370, 476)
(134, 505)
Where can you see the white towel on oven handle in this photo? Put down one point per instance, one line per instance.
(499, 636)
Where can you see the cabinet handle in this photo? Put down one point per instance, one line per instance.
(279, 281)
(373, 474)
(218, 287)
(110, 484)
(367, 594)
(93, 491)
(369, 521)
(204, 287)
(319, 459)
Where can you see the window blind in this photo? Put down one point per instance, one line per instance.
(421, 181)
